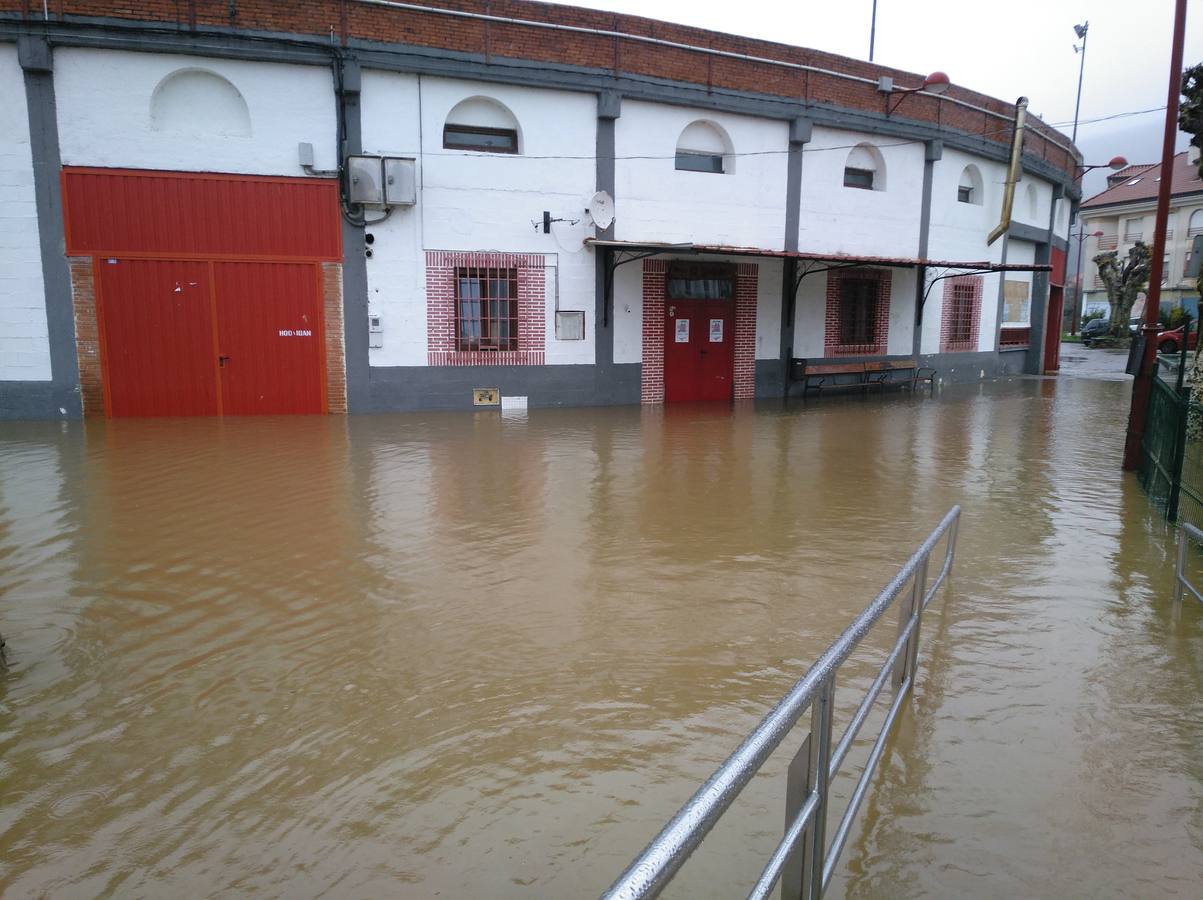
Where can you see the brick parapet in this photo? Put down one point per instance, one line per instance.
(491, 40)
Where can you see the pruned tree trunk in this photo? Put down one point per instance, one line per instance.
(1123, 281)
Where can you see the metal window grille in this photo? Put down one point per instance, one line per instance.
(486, 308)
(960, 326)
(858, 178)
(858, 311)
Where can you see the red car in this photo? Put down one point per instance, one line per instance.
(1171, 341)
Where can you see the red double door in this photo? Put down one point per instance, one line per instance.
(202, 338)
(699, 350)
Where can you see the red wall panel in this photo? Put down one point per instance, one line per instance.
(114, 211)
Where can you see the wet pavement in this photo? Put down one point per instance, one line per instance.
(1084, 362)
(468, 655)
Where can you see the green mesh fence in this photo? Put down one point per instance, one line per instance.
(1158, 471)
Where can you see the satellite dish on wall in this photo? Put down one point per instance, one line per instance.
(601, 210)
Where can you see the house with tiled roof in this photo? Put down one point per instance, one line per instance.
(1124, 213)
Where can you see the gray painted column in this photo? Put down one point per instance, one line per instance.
(355, 270)
(63, 396)
(933, 151)
(609, 108)
(800, 132)
(1041, 283)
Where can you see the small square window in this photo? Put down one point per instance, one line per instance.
(964, 194)
(473, 137)
(693, 161)
(858, 178)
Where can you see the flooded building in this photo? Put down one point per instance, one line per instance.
(363, 206)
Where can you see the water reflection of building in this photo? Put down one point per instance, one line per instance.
(239, 275)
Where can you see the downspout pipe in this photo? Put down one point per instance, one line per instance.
(1014, 172)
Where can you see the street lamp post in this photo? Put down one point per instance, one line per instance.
(1078, 308)
(1115, 163)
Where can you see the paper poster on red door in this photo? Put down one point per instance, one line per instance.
(716, 331)
(682, 331)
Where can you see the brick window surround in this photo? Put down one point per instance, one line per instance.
(442, 347)
(655, 274)
(962, 300)
(833, 341)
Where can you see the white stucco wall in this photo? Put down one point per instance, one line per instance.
(24, 345)
(958, 232)
(480, 201)
(744, 206)
(103, 126)
(838, 219)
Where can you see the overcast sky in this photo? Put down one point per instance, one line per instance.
(1018, 47)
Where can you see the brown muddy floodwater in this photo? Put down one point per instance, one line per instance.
(461, 655)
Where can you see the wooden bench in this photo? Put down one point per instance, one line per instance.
(881, 374)
(816, 376)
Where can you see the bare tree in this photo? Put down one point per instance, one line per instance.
(1123, 281)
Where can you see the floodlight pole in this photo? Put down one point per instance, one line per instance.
(1143, 385)
(1081, 70)
(873, 31)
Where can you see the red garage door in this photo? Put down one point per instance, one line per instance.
(184, 338)
(208, 289)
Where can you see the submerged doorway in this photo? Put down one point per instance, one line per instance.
(699, 332)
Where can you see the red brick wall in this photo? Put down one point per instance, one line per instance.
(652, 378)
(881, 331)
(336, 358)
(349, 19)
(745, 330)
(87, 335)
(442, 349)
(947, 344)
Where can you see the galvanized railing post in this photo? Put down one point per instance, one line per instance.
(910, 608)
(797, 789)
(1179, 570)
(815, 843)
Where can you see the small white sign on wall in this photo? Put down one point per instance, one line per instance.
(716, 331)
(682, 331)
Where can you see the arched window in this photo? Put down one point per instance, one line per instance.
(1195, 226)
(969, 188)
(704, 147)
(481, 124)
(865, 168)
(197, 101)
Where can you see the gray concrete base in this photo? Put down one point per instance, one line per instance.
(396, 389)
(38, 400)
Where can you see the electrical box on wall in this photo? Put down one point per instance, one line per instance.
(400, 181)
(365, 180)
(382, 181)
(375, 333)
(570, 325)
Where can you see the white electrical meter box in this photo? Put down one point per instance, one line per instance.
(375, 333)
(400, 181)
(366, 180)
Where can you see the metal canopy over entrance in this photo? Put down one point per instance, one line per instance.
(619, 253)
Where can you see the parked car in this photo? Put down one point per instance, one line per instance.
(1095, 329)
(1171, 341)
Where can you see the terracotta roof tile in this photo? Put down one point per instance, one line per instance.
(1186, 181)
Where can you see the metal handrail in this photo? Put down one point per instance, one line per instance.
(1181, 583)
(802, 860)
